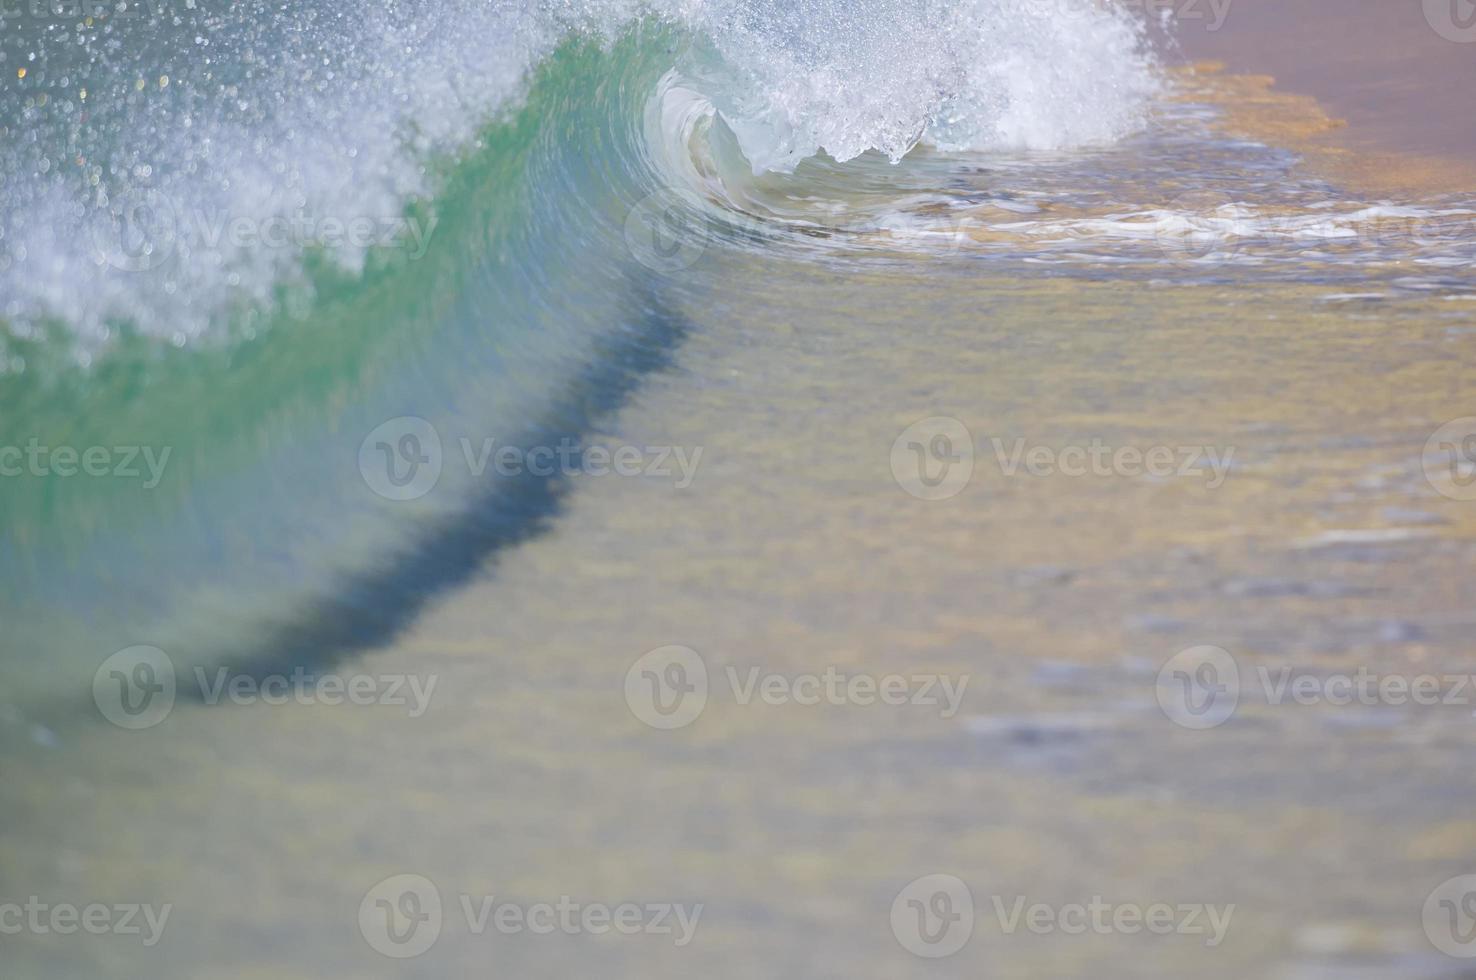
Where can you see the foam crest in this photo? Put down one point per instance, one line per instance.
(845, 78)
(170, 164)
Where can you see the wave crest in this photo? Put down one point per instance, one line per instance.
(248, 117)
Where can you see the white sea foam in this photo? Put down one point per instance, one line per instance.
(978, 74)
(129, 133)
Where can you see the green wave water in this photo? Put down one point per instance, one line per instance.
(522, 321)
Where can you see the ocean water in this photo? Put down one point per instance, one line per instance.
(298, 274)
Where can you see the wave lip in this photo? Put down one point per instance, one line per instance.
(149, 157)
(972, 75)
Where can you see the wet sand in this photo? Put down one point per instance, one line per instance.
(1400, 74)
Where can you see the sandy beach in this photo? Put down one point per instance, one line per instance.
(1397, 72)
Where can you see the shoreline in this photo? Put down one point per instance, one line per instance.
(1254, 107)
(1370, 96)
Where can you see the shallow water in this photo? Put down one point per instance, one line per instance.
(795, 549)
(1283, 349)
